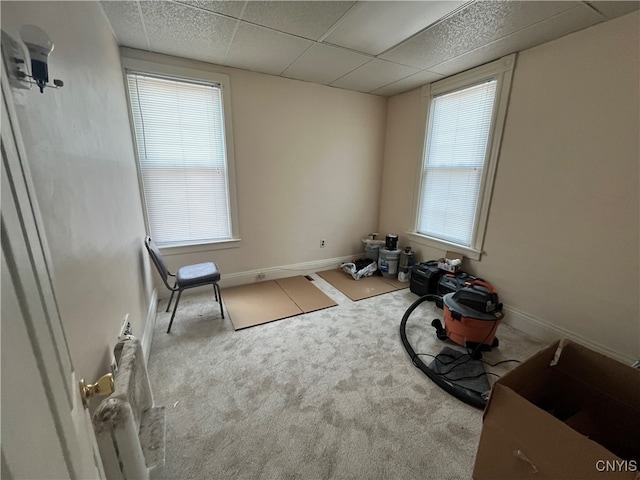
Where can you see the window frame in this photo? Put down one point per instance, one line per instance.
(502, 71)
(172, 72)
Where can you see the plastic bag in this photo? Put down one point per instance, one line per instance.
(366, 271)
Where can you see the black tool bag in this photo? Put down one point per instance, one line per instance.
(424, 278)
(363, 262)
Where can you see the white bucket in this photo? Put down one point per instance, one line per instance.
(388, 263)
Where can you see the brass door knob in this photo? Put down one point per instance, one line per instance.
(104, 386)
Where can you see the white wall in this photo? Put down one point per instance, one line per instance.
(79, 149)
(563, 233)
(308, 167)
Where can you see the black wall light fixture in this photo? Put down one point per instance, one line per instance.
(32, 69)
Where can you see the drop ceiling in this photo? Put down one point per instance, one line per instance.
(379, 47)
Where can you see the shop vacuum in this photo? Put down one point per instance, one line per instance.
(471, 318)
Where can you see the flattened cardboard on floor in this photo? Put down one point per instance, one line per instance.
(569, 416)
(305, 294)
(258, 303)
(364, 288)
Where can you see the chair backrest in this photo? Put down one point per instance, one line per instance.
(158, 260)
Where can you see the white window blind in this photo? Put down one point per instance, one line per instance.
(180, 139)
(456, 150)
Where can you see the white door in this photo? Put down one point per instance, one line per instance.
(46, 432)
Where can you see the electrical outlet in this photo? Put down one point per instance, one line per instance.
(261, 275)
(322, 243)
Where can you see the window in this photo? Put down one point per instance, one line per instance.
(463, 125)
(183, 160)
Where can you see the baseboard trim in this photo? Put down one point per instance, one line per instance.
(546, 331)
(149, 326)
(283, 271)
(270, 273)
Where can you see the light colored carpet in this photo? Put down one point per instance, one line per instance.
(330, 394)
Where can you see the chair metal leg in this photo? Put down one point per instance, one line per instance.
(170, 298)
(216, 288)
(215, 291)
(175, 307)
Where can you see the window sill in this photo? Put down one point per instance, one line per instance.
(201, 247)
(470, 253)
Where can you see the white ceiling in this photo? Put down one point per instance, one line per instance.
(379, 47)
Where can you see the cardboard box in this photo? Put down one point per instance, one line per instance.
(443, 263)
(565, 413)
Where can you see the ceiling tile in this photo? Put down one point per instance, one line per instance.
(176, 29)
(276, 37)
(324, 64)
(372, 75)
(373, 27)
(305, 19)
(550, 29)
(409, 83)
(263, 50)
(615, 9)
(233, 9)
(474, 26)
(126, 23)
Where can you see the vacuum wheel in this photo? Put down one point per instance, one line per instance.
(440, 331)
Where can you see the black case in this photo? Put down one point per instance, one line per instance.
(424, 278)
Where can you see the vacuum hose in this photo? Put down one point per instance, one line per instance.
(468, 396)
